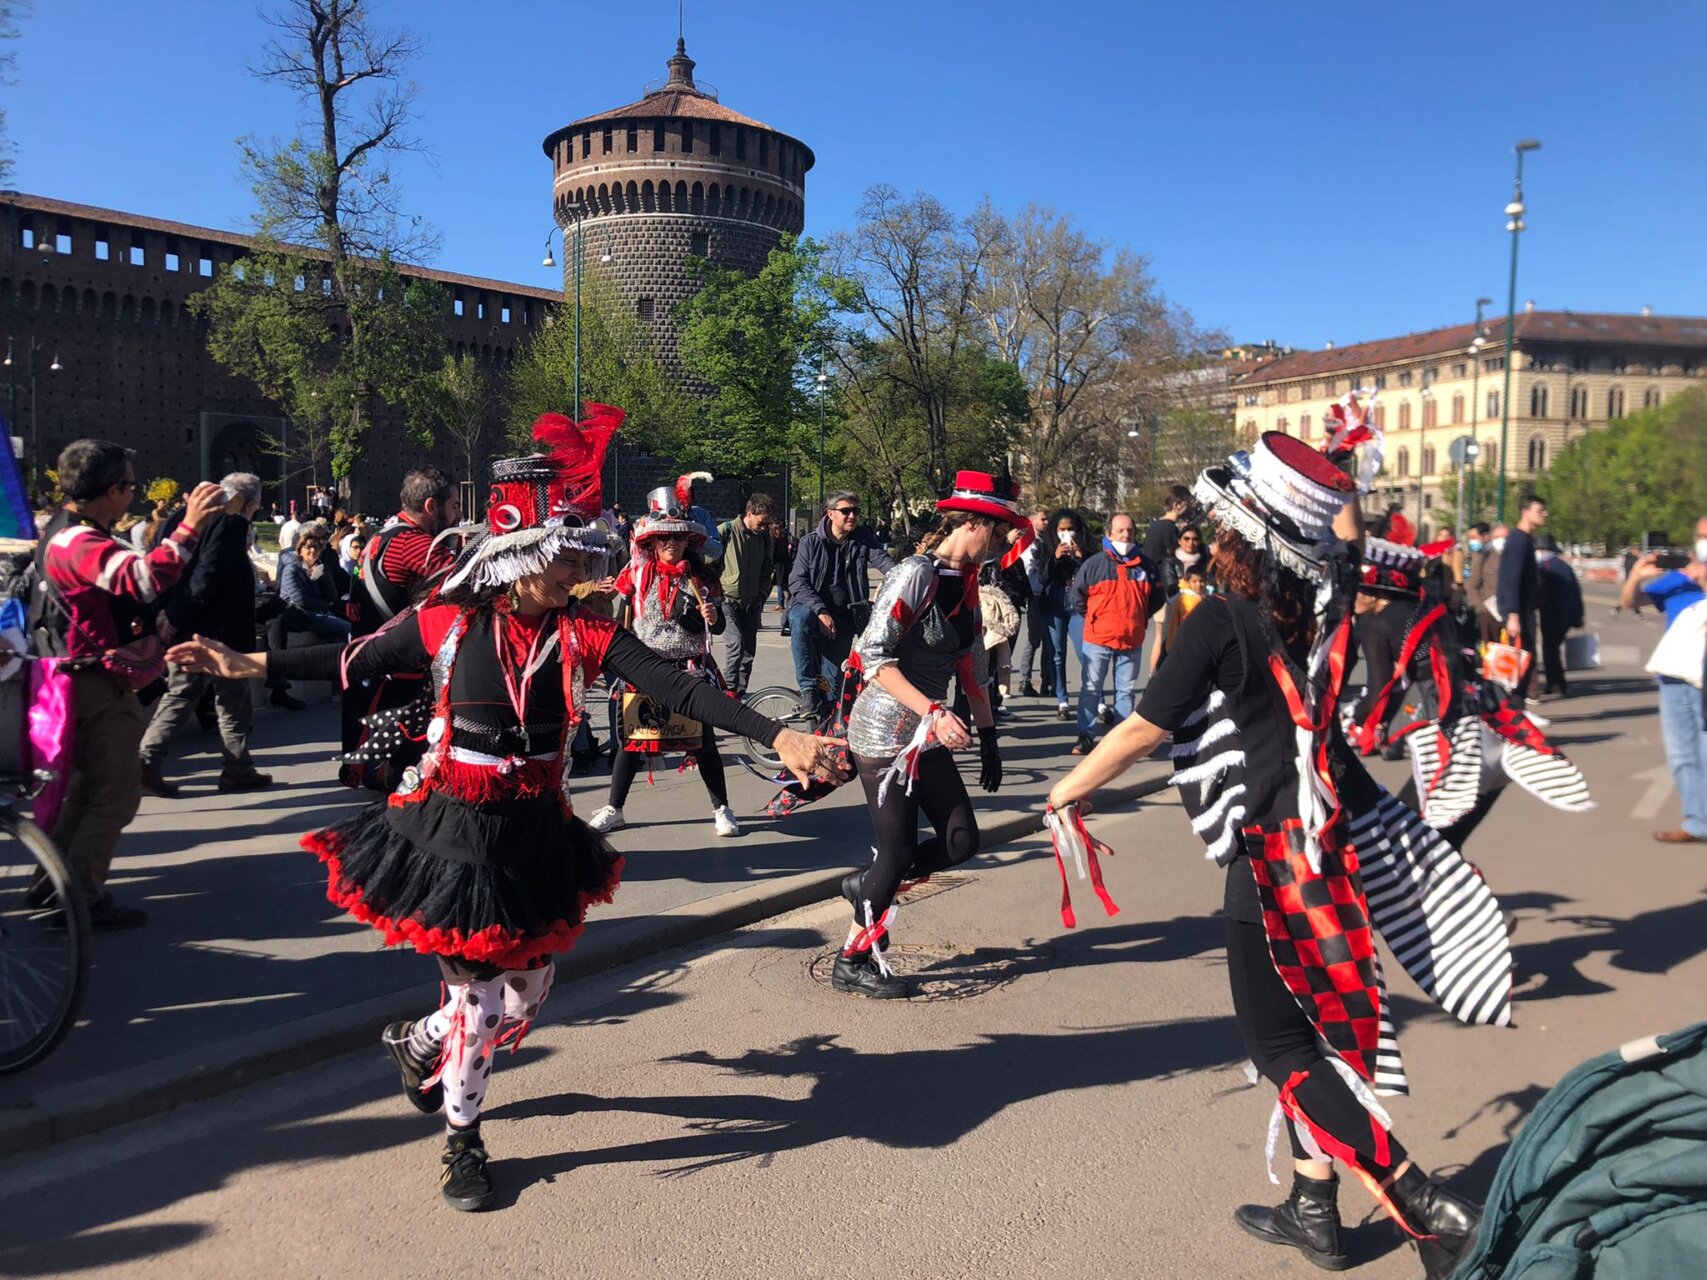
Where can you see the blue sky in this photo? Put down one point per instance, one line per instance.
(1304, 171)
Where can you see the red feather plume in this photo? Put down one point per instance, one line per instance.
(578, 449)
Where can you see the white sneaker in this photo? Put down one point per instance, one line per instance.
(607, 819)
(723, 818)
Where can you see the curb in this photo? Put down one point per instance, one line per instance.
(62, 1114)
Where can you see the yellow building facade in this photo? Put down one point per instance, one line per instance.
(1571, 372)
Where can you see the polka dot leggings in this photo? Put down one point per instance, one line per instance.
(478, 1016)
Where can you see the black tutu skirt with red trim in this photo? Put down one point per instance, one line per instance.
(505, 884)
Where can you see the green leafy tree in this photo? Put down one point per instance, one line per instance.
(319, 317)
(1646, 472)
(459, 401)
(755, 344)
(619, 366)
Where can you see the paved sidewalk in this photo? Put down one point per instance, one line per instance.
(245, 970)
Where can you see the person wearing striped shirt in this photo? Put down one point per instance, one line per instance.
(403, 556)
(106, 593)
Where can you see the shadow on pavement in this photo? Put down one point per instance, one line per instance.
(1653, 942)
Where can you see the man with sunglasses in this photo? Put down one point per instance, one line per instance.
(95, 606)
(830, 591)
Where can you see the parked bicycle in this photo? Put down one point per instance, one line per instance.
(44, 933)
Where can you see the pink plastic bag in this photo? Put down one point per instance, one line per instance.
(52, 723)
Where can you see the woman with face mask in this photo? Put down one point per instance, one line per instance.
(478, 858)
(1063, 545)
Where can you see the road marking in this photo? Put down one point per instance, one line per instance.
(1658, 792)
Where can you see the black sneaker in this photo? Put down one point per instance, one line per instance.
(245, 780)
(395, 1038)
(465, 1183)
(155, 784)
(1084, 746)
(1028, 690)
(106, 915)
(858, 975)
(284, 698)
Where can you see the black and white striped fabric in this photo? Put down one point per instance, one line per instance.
(1209, 770)
(1435, 911)
(1455, 794)
(1551, 779)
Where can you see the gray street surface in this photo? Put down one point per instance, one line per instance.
(1056, 1104)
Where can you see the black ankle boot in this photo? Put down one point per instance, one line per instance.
(1308, 1220)
(1432, 1211)
(465, 1183)
(858, 975)
(850, 890)
(396, 1040)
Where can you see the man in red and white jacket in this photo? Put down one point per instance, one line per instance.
(103, 594)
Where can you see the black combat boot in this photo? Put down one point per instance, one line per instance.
(413, 1071)
(858, 975)
(1447, 1222)
(1308, 1220)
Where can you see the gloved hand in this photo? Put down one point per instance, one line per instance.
(990, 775)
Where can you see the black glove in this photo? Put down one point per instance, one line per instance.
(990, 776)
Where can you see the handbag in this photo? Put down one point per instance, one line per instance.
(1680, 653)
(1505, 663)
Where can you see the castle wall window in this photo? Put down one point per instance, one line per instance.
(1405, 412)
(740, 143)
(658, 136)
(456, 306)
(687, 137)
(1404, 464)
(138, 257)
(586, 143)
(764, 147)
(503, 315)
(62, 243)
(714, 137)
(1651, 398)
(204, 266)
(607, 141)
(1537, 453)
(699, 244)
(172, 262)
(1579, 402)
(1428, 461)
(103, 249)
(1538, 400)
(1431, 411)
(1615, 402)
(643, 309)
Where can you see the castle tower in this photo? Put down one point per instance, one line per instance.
(675, 174)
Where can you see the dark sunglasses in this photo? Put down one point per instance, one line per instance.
(845, 511)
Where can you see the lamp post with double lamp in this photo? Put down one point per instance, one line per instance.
(1424, 397)
(35, 426)
(1514, 224)
(577, 213)
(1477, 341)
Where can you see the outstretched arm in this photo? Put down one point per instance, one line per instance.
(1123, 746)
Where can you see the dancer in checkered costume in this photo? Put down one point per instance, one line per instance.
(1250, 691)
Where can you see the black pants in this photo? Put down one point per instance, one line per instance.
(940, 794)
(1553, 660)
(1282, 1042)
(627, 766)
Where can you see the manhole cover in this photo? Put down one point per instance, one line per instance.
(949, 972)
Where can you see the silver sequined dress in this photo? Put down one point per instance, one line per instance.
(925, 621)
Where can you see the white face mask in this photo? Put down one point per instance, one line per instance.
(1543, 556)
(1701, 549)
(1498, 544)
(1121, 549)
(1188, 558)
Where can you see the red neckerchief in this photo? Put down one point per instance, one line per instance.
(669, 578)
(1337, 651)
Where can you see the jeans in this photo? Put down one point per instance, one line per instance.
(106, 776)
(183, 691)
(1055, 624)
(818, 658)
(322, 626)
(741, 641)
(1685, 737)
(1096, 663)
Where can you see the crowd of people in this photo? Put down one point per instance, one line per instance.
(467, 658)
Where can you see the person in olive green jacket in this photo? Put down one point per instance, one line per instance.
(749, 572)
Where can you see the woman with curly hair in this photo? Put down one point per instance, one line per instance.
(478, 859)
(1249, 693)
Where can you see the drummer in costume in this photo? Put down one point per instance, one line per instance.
(478, 859)
(1249, 692)
(926, 628)
(675, 606)
(1465, 735)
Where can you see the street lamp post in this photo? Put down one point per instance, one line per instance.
(1478, 340)
(35, 425)
(1514, 223)
(823, 380)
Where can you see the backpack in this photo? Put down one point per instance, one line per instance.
(49, 612)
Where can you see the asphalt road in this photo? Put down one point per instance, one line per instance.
(1062, 1104)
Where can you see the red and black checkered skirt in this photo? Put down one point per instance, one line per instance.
(1320, 937)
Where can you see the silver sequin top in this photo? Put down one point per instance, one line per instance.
(911, 626)
(670, 637)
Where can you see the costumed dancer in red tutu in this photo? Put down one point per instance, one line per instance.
(1249, 693)
(675, 606)
(477, 859)
(926, 628)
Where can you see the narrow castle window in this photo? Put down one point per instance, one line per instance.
(658, 136)
(633, 137)
(687, 137)
(643, 308)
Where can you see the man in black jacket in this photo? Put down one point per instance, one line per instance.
(829, 588)
(1517, 584)
(1560, 599)
(216, 598)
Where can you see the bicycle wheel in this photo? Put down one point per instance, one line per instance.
(779, 703)
(44, 944)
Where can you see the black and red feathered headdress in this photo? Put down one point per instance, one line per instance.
(544, 502)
